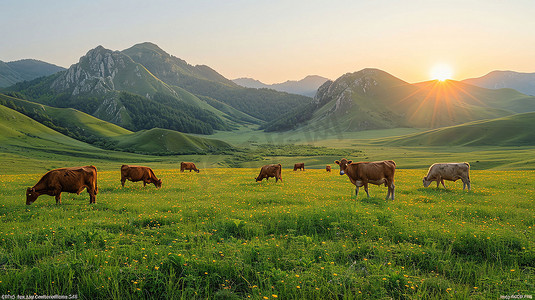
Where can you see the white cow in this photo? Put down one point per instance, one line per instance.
(448, 171)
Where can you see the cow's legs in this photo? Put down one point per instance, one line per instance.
(144, 183)
(357, 191)
(366, 189)
(466, 184)
(58, 197)
(388, 192)
(123, 180)
(92, 197)
(441, 181)
(393, 187)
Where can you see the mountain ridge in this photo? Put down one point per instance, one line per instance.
(25, 69)
(203, 81)
(522, 82)
(306, 86)
(374, 99)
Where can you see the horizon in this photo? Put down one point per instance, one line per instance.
(275, 42)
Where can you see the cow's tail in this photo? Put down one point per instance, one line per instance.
(96, 185)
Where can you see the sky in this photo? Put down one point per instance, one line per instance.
(275, 40)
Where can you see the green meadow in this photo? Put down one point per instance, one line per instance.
(218, 234)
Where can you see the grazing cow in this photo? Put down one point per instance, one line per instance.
(188, 166)
(362, 173)
(69, 180)
(300, 166)
(328, 168)
(137, 173)
(270, 171)
(448, 171)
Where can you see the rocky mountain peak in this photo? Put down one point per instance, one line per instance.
(95, 72)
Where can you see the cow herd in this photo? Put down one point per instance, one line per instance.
(76, 179)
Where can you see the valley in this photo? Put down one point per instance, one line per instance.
(218, 233)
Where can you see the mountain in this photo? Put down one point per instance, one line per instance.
(26, 69)
(522, 82)
(374, 99)
(207, 84)
(251, 83)
(510, 131)
(111, 86)
(306, 86)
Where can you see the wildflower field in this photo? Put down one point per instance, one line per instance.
(218, 234)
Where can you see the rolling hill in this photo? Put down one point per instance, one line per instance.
(165, 142)
(522, 82)
(63, 122)
(25, 69)
(510, 131)
(374, 99)
(68, 121)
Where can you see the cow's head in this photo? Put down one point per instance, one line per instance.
(158, 183)
(343, 165)
(31, 196)
(426, 181)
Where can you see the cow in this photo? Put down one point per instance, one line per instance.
(137, 173)
(362, 173)
(448, 171)
(299, 166)
(270, 171)
(69, 180)
(188, 166)
(328, 168)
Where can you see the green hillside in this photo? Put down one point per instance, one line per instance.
(25, 69)
(69, 121)
(515, 130)
(162, 141)
(84, 127)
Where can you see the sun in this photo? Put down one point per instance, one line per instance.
(441, 72)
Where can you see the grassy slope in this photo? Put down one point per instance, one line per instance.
(26, 145)
(305, 238)
(73, 117)
(510, 131)
(158, 140)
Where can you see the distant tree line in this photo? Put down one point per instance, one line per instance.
(147, 114)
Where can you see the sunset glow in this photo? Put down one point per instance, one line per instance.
(441, 72)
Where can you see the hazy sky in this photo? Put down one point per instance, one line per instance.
(275, 40)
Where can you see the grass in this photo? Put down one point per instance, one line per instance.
(219, 234)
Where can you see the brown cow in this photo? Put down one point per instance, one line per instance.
(448, 171)
(362, 173)
(328, 168)
(300, 166)
(188, 166)
(270, 171)
(137, 173)
(69, 180)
